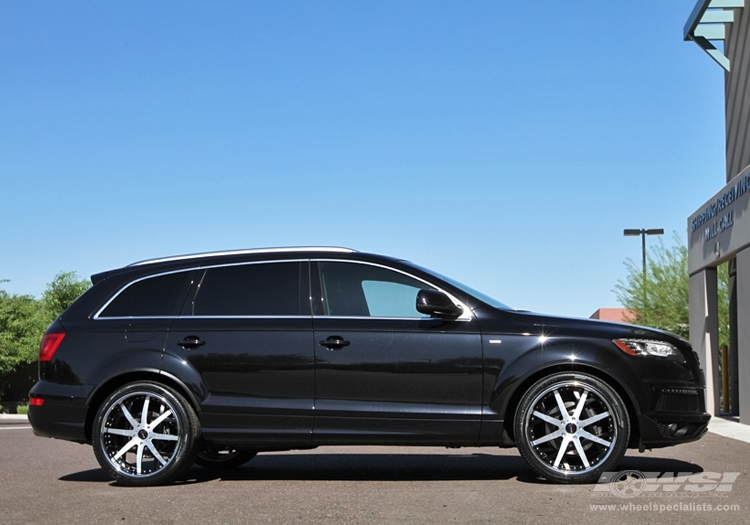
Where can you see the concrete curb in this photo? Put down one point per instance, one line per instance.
(729, 428)
(17, 417)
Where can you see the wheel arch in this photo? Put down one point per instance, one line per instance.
(515, 398)
(105, 389)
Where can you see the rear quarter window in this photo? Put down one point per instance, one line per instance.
(159, 296)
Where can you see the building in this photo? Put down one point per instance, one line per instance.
(719, 230)
(619, 315)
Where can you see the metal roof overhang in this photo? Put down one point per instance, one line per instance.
(707, 23)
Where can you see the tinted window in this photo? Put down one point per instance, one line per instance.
(251, 289)
(151, 297)
(362, 290)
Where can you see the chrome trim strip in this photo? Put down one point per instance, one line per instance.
(362, 318)
(191, 269)
(207, 317)
(131, 283)
(333, 249)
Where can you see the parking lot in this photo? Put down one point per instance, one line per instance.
(50, 481)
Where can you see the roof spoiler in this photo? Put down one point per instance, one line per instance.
(98, 277)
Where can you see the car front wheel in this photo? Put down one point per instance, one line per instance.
(571, 427)
(145, 434)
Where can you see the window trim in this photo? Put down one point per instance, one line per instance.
(97, 316)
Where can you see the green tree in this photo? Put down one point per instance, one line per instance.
(662, 300)
(65, 288)
(22, 323)
(23, 320)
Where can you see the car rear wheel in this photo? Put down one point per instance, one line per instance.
(216, 457)
(145, 434)
(571, 427)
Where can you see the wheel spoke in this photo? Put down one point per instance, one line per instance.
(120, 431)
(144, 412)
(127, 447)
(579, 406)
(593, 419)
(581, 452)
(549, 437)
(595, 439)
(155, 453)
(547, 419)
(139, 457)
(561, 453)
(127, 415)
(165, 437)
(561, 405)
(159, 419)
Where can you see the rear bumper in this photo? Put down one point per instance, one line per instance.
(62, 414)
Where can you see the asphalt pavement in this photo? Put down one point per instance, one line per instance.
(49, 481)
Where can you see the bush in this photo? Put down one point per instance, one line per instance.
(23, 320)
(22, 409)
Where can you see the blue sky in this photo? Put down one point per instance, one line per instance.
(506, 144)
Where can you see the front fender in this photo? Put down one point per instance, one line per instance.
(511, 368)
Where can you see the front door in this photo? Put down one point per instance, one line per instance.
(385, 372)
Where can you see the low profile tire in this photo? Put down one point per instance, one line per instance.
(571, 427)
(145, 434)
(213, 457)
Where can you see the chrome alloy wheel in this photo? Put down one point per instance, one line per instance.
(572, 426)
(140, 433)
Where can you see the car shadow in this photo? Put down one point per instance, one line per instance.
(386, 467)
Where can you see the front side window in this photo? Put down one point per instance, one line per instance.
(269, 289)
(363, 290)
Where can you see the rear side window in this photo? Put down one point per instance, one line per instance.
(270, 289)
(159, 296)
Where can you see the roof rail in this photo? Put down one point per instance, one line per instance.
(244, 252)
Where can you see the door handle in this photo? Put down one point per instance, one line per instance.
(334, 342)
(191, 341)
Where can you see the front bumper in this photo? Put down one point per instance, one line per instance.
(676, 416)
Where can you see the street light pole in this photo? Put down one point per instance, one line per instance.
(643, 233)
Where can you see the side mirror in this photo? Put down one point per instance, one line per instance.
(437, 304)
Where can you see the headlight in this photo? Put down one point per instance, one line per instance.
(645, 347)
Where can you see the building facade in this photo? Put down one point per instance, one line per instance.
(719, 230)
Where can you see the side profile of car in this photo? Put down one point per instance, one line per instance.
(212, 358)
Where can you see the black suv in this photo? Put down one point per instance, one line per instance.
(211, 358)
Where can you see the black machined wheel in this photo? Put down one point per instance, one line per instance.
(571, 427)
(216, 457)
(145, 434)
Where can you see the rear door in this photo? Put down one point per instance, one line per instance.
(247, 334)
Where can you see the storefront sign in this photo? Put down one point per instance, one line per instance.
(719, 229)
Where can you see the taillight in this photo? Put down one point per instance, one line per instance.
(36, 401)
(49, 345)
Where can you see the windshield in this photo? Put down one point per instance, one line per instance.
(467, 289)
